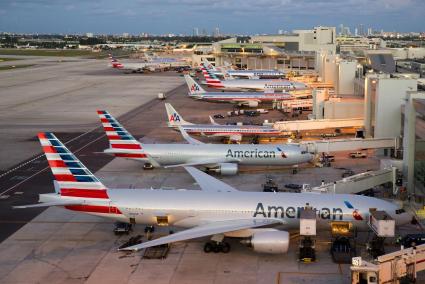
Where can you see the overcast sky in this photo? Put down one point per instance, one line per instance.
(181, 16)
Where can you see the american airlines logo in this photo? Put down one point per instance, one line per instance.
(174, 117)
(194, 88)
(356, 214)
(278, 86)
(254, 154)
(291, 212)
(282, 154)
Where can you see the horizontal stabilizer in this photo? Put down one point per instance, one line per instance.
(48, 204)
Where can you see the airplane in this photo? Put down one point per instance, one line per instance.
(251, 84)
(218, 71)
(250, 99)
(234, 132)
(260, 219)
(221, 158)
(134, 66)
(247, 74)
(169, 61)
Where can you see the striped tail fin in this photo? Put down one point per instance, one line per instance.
(118, 136)
(73, 179)
(211, 79)
(114, 62)
(194, 88)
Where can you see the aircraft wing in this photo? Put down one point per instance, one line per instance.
(189, 138)
(48, 204)
(204, 162)
(212, 228)
(207, 182)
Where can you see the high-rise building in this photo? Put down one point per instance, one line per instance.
(89, 34)
(369, 31)
(356, 32)
(216, 32)
(361, 30)
(195, 32)
(347, 31)
(280, 32)
(341, 29)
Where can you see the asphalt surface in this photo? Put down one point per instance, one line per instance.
(22, 183)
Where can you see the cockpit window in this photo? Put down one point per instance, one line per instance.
(303, 152)
(400, 211)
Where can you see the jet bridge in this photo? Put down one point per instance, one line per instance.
(389, 268)
(314, 124)
(360, 182)
(335, 145)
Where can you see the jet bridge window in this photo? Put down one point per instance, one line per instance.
(162, 220)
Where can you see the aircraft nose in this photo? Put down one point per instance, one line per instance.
(308, 157)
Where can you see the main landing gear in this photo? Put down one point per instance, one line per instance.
(216, 247)
(217, 244)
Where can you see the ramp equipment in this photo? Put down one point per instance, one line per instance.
(307, 245)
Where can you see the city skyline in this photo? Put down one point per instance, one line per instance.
(181, 17)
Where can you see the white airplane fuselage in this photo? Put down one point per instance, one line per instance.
(258, 85)
(189, 208)
(243, 154)
(133, 66)
(256, 73)
(212, 130)
(241, 97)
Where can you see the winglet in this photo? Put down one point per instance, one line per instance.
(188, 138)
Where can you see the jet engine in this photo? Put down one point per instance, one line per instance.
(226, 169)
(252, 104)
(270, 241)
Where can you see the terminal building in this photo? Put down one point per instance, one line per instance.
(388, 103)
(295, 51)
(365, 88)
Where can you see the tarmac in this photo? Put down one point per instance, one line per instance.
(63, 96)
(59, 246)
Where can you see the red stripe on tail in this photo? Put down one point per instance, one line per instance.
(88, 193)
(126, 146)
(130, 155)
(62, 177)
(49, 149)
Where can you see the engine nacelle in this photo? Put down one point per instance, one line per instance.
(226, 169)
(273, 241)
(252, 104)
